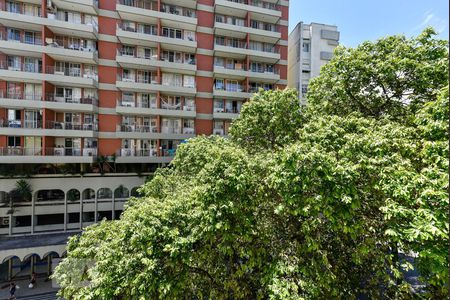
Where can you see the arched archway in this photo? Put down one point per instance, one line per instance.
(121, 192)
(88, 194)
(104, 193)
(73, 195)
(135, 192)
(50, 195)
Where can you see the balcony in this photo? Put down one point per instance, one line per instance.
(236, 71)
(52, 155)
(231, 91)
(268, 34)
(84, 6)
(140, 156)
(20, 127)
(71, 76)
(225, 114)
(30, 20)
(21, 72)
(147, 84)
(62, 50)
(149, 37)
(239, 50)
(51, 101)
(21, 46)
(147, 12)
(87, 29)
(70, 129)
(128, 108)
(21, 100)
(71, 103)
(134, 61)
(136, 131)
(260, 10)
(269, 75)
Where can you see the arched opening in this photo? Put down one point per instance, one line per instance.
(88, 194)
(135, 192)
(104, 193)
(73, 195)
(50, 195)
(121, 192)
(4, 198)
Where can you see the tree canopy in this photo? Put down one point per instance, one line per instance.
(391, 77)
(298, 203)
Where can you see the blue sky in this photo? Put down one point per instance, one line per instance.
(360, 20)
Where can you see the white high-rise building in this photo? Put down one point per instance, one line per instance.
(310, 47)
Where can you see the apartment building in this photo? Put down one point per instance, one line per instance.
(94, 95)
(310, 47)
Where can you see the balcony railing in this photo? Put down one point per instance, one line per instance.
(178, 10)
(67, 43)
(20, 151)
(149, 79)
(70, 151)
(168, 152)
(229, 110)
(71, 126)
(258, 3)
(82, 21)
(137, 152)
(144, 4)
(20, 67)
(51, 97)
(255, 25)
(231, 43)
(20, 9)
(135, 54)
(20, 124)
(230, 88)
(21, 96)
(142, 104)
(23, 39)
(136, 128)
(171, 130)
(149, 29)
(71, 72)
(55, 151)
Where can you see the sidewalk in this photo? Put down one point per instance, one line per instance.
(23, 290)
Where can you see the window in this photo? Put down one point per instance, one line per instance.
(219, 84)
(172, 33)
(304, 89)
(128, 51)
(189, 81)
(13, 35)
(306, 46)
(13, 141)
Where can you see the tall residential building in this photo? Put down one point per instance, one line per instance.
(95, 95)
(310, 47)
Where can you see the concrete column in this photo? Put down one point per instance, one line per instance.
(113, 204)
(96, 208)
(81, 211)
(65, 212)
(49, 265)
(11, 218)
(33, 208)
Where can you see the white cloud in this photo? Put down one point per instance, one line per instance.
(430, 19)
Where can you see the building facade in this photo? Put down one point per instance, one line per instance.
(96, 94)
(310, 47)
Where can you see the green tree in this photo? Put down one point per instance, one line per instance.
(391, 77)
(321, 209)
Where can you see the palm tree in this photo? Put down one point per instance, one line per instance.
(21, 193)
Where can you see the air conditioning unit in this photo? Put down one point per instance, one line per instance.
(4, 221)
